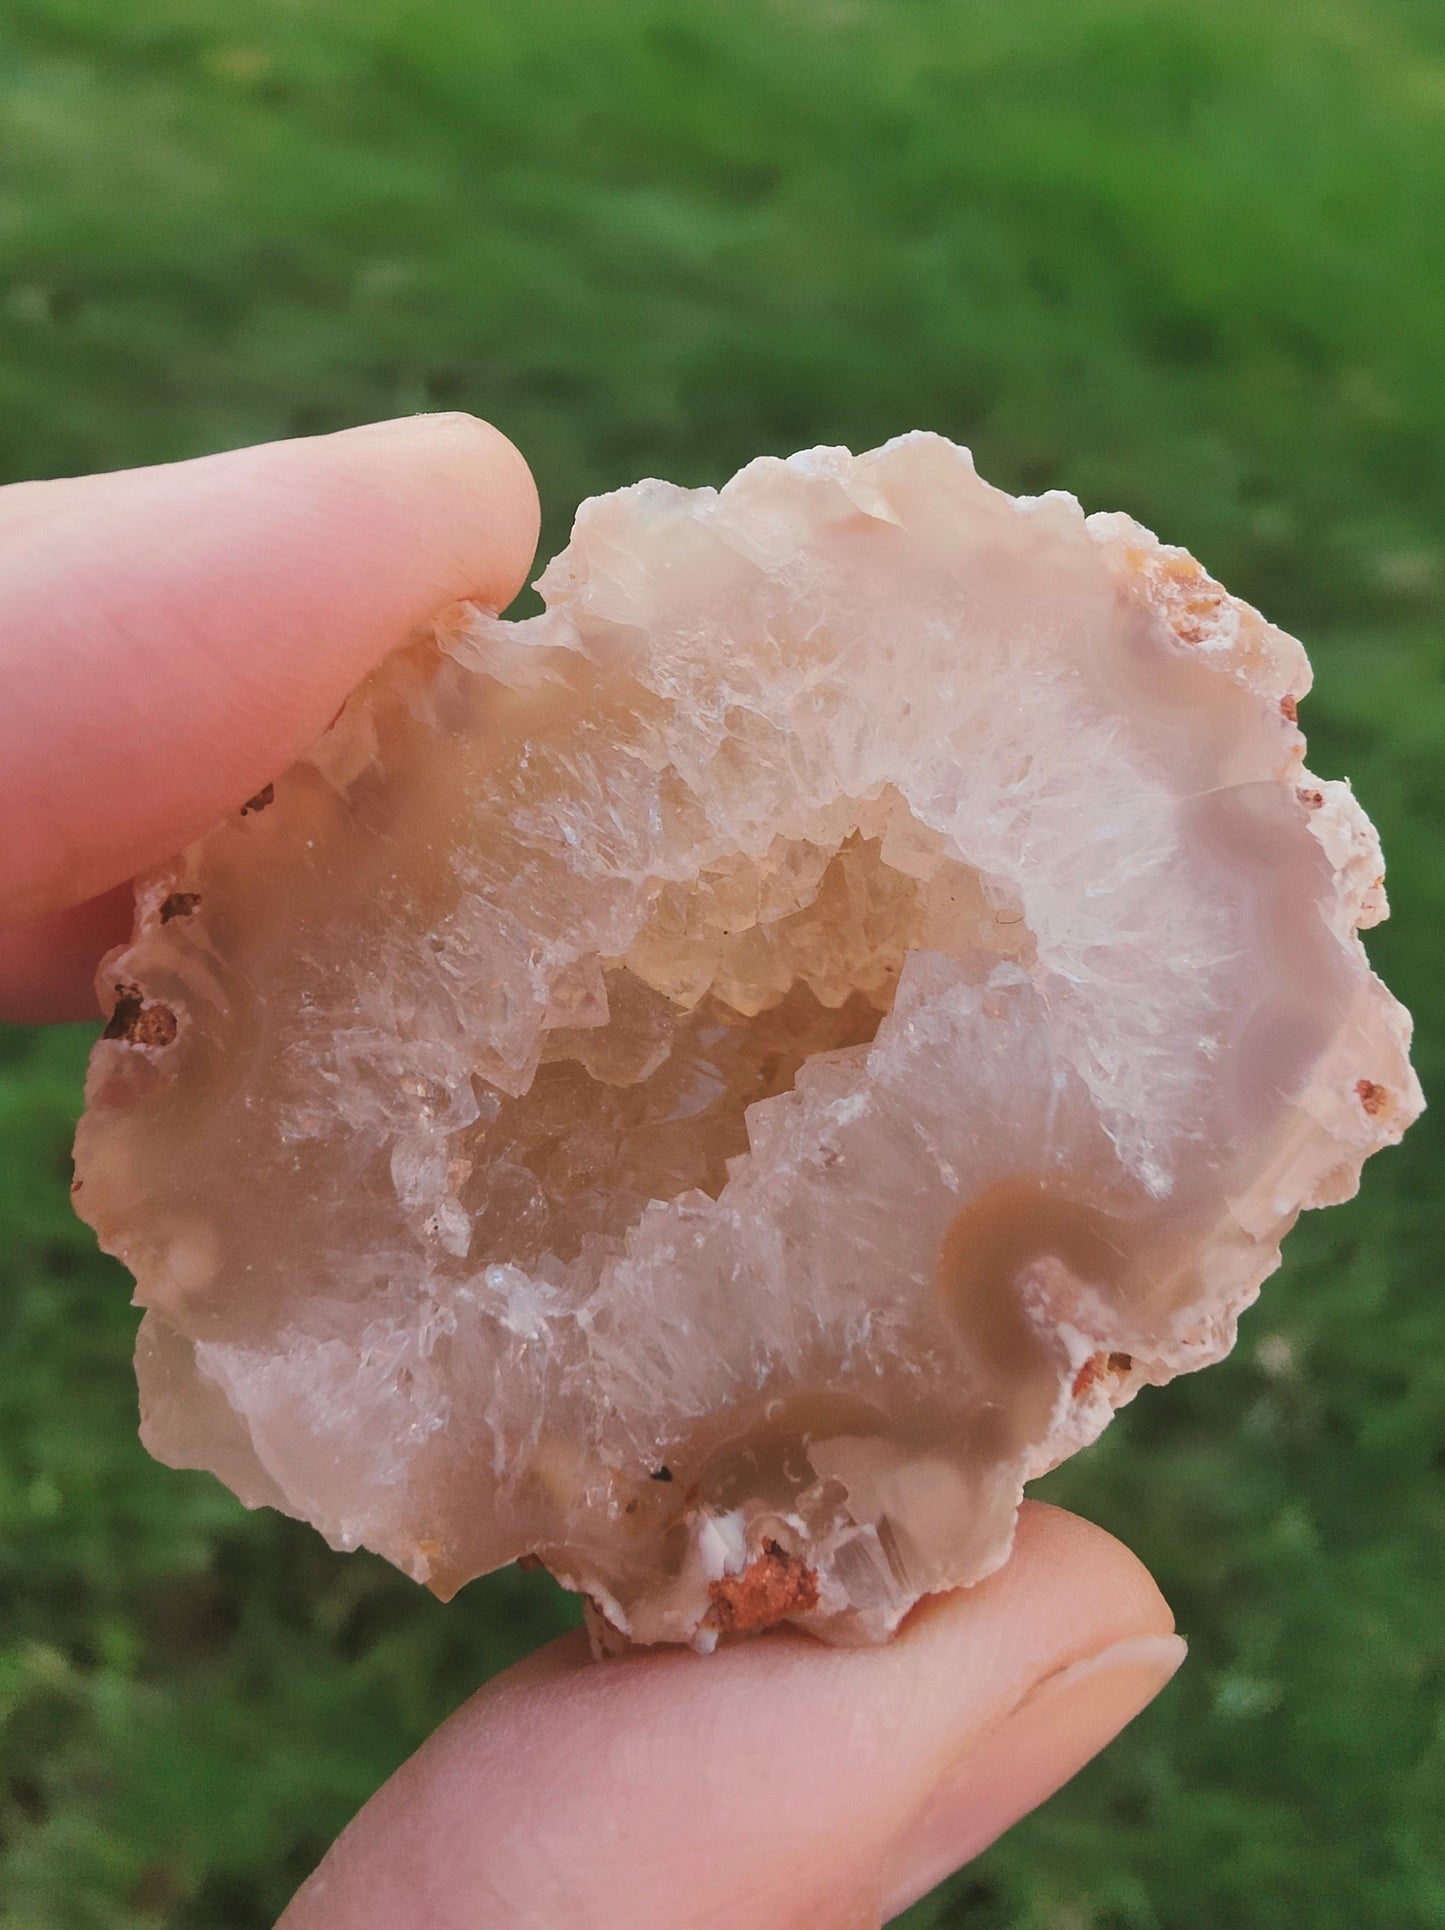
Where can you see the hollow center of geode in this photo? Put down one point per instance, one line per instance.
(739, 978)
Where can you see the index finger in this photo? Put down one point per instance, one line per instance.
(172, 638)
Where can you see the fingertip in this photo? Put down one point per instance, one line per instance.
(469, 460)
(763, 1783)
(174, 637)
(1062, 1544)
(1068, 1589)
(1063, 1721)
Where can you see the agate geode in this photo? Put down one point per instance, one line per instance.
(715, 1086)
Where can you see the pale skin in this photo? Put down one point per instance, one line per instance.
(170, 639)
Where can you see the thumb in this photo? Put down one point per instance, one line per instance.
(777, 1785)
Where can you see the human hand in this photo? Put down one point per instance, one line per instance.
(170, 640)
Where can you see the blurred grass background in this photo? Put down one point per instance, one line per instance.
(1184, 257)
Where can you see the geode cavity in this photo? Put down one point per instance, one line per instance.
(717, 1085)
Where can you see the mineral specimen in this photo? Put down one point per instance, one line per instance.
(715, 1086)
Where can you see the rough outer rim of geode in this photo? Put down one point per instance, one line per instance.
(761, 735)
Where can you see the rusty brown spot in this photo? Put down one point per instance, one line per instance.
(75, 1186)
(1191, 622)
(1184, 593)
(1373, 1098)
(1289, 708)
(1099, 1367)
(1311, 800)
(137, 1022)
(154, 1025)
(529, 1561)
(774, 1584)
(266, 795)
(180, 904)
(1086, 1376)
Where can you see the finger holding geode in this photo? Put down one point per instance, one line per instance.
(717, 1085)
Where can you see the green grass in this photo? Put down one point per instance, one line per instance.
(1185, 257)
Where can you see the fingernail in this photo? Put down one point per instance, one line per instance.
(1061, 1723)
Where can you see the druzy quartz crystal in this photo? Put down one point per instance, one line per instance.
(715, 1086)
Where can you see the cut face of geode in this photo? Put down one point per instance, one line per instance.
(717, 1085)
